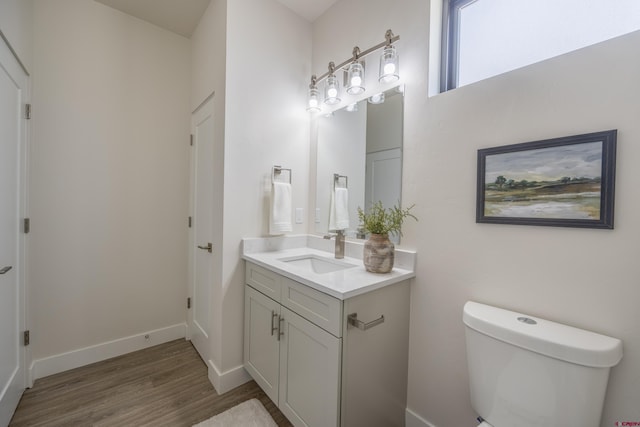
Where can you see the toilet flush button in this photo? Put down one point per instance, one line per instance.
(527, 320)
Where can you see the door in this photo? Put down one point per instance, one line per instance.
(384, 179)
(309, 373)
(262, 340)
(202, 233)
(13, 87)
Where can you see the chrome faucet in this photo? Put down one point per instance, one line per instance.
(339, 251)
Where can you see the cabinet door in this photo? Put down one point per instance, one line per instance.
(309, 373)
(261, 344)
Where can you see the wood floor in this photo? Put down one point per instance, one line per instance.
(165, 385)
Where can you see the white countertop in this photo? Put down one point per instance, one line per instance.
(342, 284)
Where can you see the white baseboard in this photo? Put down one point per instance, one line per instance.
(228, 380)
(414, 420)
(74, 359)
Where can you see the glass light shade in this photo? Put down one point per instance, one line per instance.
(355, 79)
(314, 100)
(389, 65)
(378, 98)
(332, 90)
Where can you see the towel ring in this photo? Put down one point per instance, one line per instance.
(336, 180)
(277, 170)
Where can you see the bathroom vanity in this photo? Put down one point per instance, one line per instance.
(326, 340)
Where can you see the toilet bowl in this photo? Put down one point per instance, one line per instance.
(529, 372)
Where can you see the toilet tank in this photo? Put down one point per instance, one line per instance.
(529, 372)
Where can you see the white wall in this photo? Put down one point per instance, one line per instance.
(586, 278)
(267, 64)
(264, 127)
(208, 58)
(109, 177)
(16, 23)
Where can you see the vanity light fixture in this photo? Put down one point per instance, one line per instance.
(332, 87)
(354, 68)
(389, 64)
(352, 107)
(378, 98)
(314, 99)
(355, 74)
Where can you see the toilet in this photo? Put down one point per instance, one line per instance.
(529, 372)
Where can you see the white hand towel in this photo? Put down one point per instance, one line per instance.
(339, 212)
(280, 221)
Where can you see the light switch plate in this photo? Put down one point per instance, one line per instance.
(299, 213)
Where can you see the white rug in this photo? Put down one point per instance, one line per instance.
(247, 414)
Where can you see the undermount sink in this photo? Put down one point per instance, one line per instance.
(317, 264)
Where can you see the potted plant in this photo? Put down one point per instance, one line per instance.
(379, 251)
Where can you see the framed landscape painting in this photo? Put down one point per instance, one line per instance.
(561, 182)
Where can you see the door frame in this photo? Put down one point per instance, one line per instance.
(206, 104)
(12, 65)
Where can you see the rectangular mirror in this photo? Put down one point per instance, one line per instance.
(365, 145)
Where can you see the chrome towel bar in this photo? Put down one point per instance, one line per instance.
(353, 320)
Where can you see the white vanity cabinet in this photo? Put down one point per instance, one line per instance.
(319, 370)
(295, 362)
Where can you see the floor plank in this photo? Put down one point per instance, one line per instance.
(165, 385)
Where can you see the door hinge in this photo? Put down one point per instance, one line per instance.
(27, 111)
(188, 302)
(26, 339)
(190, 222)
(26, 226)
(191, 140)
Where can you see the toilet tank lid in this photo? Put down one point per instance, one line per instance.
(545, 337)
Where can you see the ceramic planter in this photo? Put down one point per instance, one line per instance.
(379, 253)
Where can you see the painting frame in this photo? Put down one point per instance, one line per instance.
(549, 199)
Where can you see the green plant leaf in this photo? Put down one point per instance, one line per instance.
(384, 221)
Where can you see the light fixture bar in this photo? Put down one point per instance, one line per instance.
(389, 39)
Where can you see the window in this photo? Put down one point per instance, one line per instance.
(483, 38)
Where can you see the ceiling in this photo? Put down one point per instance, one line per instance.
(308, 9)
(179, 16)
(182, 16)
